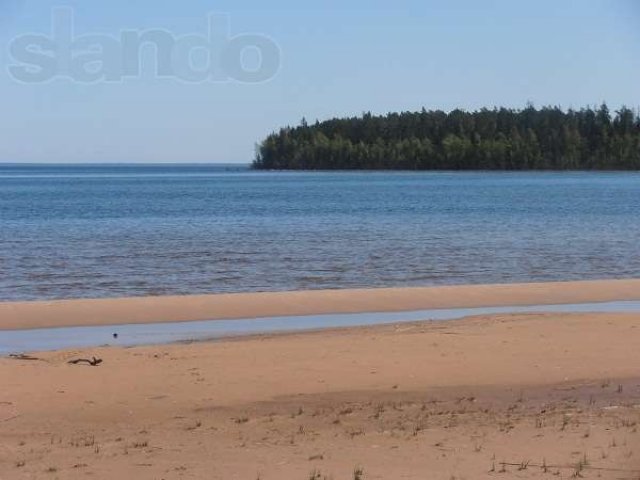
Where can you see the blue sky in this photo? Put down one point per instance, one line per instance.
(336, 60)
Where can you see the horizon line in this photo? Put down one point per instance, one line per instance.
(3, 163)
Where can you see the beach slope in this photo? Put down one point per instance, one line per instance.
(513, 396)
(86, 312)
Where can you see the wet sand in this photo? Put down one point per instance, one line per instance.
(67, 313)
(506, 396)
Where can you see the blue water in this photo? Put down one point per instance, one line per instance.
(16, 341)
(106, 231)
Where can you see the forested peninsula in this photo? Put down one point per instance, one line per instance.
(548, 138)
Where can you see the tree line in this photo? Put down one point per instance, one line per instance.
(548, 138)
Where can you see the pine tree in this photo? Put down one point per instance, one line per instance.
(504, 139)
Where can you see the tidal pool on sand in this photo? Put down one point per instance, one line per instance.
(15, 341)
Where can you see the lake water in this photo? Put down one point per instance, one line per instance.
(107, 231)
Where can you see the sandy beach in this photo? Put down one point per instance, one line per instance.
(318, 241)
(68, 313)
(512, 396)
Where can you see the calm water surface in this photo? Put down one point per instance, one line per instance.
(14, 341)
(106, 231)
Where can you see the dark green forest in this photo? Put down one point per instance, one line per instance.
(548, 138)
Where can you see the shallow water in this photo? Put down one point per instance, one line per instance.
(14, 341)
(107, 231)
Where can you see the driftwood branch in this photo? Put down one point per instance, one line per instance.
(93, 361)
(22, 356)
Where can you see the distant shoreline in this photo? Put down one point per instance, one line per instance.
(247, 166)
(548, 138)
(163, 309)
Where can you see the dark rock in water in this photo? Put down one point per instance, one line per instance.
(115, 335)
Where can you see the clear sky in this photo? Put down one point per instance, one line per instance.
(336, 60)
